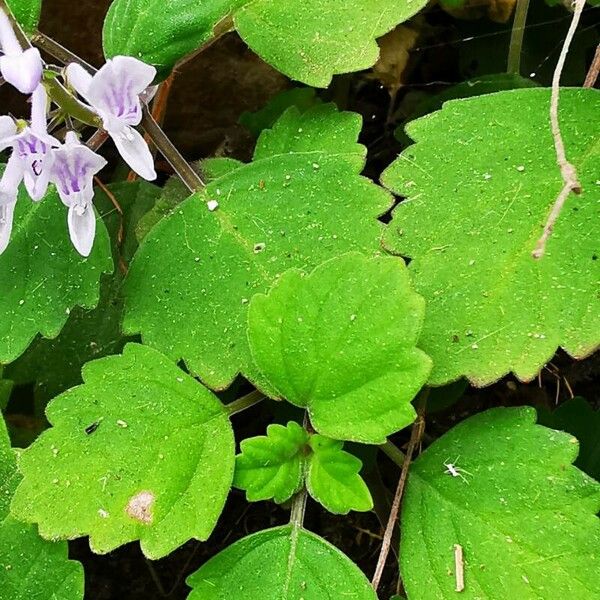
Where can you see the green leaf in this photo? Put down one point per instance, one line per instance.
(315, 39)
(41, 275)
(489, 183)
(300, 202)
(302, 98)
(524, 516)
(272, 466)
(301, 566)
(140, 451)
(341, 342)
(309, 41)
(161, 34)
(577, 417)
(333, 479)
(478, 86)
(55, 365)
(29, 566)
(26, 12)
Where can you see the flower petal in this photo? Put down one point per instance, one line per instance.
(6, 223)
(8, 39)
(24, 70)
(73, 171)
(39, 109)
(8, 128)
(82, 227)
(9, 184)
(135, 152)
(79, 79)
(115, 89)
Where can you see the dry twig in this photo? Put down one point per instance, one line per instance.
(415, 438)
(567, 170)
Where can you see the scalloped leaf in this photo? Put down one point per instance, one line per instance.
(470, 226)
(140, 451)
(301, 566)
(55, 365)
(272, 465)
(309, 41)
(41, 275)
(523, 515)
(333, 480)
(577, 417)
(341, 342)
(30, 567)
(300, 202)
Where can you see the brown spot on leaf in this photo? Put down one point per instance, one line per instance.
(139, 507)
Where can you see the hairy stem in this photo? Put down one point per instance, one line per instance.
(181, 167)
(567, 170)
(245, 402)
(516, 37)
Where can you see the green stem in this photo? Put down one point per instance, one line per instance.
(393, 452)
(298, 508)
(245, 402)
(516, 37)
(59, 94)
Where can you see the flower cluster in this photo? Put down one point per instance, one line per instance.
(38, 159)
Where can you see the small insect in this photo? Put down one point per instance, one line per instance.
(91, 428)
(456, 471)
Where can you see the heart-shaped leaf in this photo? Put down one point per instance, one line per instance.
(301, 566)
(41, 275)
(470, 226)
(30, 567)
(139, 451)
(502, 489)
(300, 202)
(341, 342)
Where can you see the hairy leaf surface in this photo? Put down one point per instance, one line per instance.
(26, 12)
(524, 516)
(309, 41)
(272, 465)
(301, 566)
(54, 365)
(480, 183)
(30, 567)
(42, 277)
(341, 342)
(300, 202)
(140, 451)
(332, 477)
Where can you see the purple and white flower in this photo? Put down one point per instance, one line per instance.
(114, 94)
(32, 148)
(73, 174)
(31, 161)
(22, 69)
